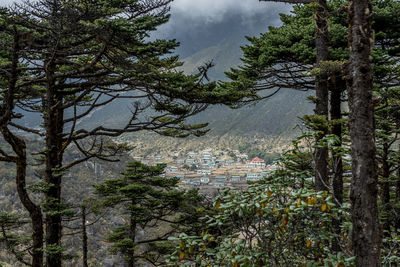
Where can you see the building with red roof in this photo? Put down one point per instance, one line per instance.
(256, 162)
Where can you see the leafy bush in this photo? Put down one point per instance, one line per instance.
(270, 224)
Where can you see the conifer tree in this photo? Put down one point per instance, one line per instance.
(145, 199)
(366, 232)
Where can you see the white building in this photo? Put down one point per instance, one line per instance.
(252, 177)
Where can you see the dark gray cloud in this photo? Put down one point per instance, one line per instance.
(203, 23)
(211, 11)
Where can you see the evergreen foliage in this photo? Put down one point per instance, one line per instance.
(146, 201)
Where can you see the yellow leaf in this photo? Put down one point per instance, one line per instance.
(181, 255)
(284, 221)
(324, 207)
(269, 193)
(314, 200)
(203, 248)
(308, 244)
(298, 202)
(263, 204)
(235, 264)
(287, 210)
(218, 204)
(182, 245)
(295, 238)
(309, 201)
(280, 231)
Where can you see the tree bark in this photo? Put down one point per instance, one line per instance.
(84, 238)
(132, 236)
(398, 181)
(385, 188)
(53, 121)
(321, 90)
(337, 162)
(336, 114)
(35, 213)
(366, 235)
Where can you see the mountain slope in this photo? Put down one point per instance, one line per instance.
(277, 115)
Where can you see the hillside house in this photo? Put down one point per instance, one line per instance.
(235, 178)
(204, 180)
(204, 172)
(172, 168)
(252, 177)
(220, 178)
(256, 163)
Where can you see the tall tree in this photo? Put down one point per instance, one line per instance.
(321, 88)
(366, 235)
(386, 89)
(146, 199)
(321, 93)
(285, 57)
(13, 41)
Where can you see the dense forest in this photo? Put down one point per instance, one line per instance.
(76, 194)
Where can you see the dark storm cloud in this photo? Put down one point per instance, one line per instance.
(198, 24)
(207, 13)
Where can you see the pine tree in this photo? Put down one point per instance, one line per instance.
(147, 201)
(366, 232)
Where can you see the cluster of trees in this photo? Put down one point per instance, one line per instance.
(328, 46)
(63, 59)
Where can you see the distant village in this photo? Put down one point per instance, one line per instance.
(210, 170)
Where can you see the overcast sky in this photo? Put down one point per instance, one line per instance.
(201, 23)
(215, 10)
(211, 10)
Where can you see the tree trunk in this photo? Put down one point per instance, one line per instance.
(132, 236)
(35, 213)
(321, 89)
(53, 120)
(19, 147)
(397, 222)
(337, 162)
(398, 181)
(385, 187)
(84, 239)
(366, 235)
